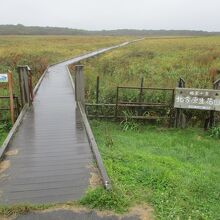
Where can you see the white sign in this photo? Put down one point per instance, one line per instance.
(203, 99)
(3, 77)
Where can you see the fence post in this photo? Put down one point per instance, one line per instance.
(21, 85)
(216, 85)
(141, 90)
(172, 111)
(116, 105)
(79, 85)
(97, 94)
(25, 84)
(17, 105)
(30, 83)
(179, 115)
(210, 121)
(141, 96)
(10, 89)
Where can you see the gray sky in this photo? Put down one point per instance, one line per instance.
(114, 14)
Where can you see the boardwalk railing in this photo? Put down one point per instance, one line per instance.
(20, 117)
(143, 104)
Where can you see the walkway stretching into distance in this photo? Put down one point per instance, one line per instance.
(52, 157)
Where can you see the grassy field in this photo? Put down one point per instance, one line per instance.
(40, 51)
(177, 172)
(160, 61)
(174, 171)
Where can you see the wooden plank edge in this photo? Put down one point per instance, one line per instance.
(91, 138)
(95, 150)
(99, 51)
(71, 58)
(92, 142)
(87, 53)
(12, 131)
(40, 80)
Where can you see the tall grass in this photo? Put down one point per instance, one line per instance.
(160, 61)
(40, 51)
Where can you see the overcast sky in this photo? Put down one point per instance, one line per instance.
(114, 14)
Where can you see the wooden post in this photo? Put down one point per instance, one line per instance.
(79, 85)
(30, 85)
(141, 90)
(21, 86)
(211, 116)
(179, 115)
(10, 89)
(97, 94)
(141, 96)
(116, 105)
(17, 106)
(172, 110)
(25, 84)
(216, 85)
(97, 90)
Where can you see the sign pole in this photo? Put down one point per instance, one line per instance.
(212, 113)
(179, 115)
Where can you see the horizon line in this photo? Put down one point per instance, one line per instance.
(137, 29)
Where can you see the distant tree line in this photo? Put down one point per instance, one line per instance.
(36, 30)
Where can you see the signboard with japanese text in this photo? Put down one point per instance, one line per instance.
(3, 77)
(201, 99)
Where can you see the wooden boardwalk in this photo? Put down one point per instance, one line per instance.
(49, 158)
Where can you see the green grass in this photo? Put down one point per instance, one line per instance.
(2, 137)
(176, 171)
(4, 129)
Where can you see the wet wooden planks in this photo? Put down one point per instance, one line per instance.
(53, 157)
